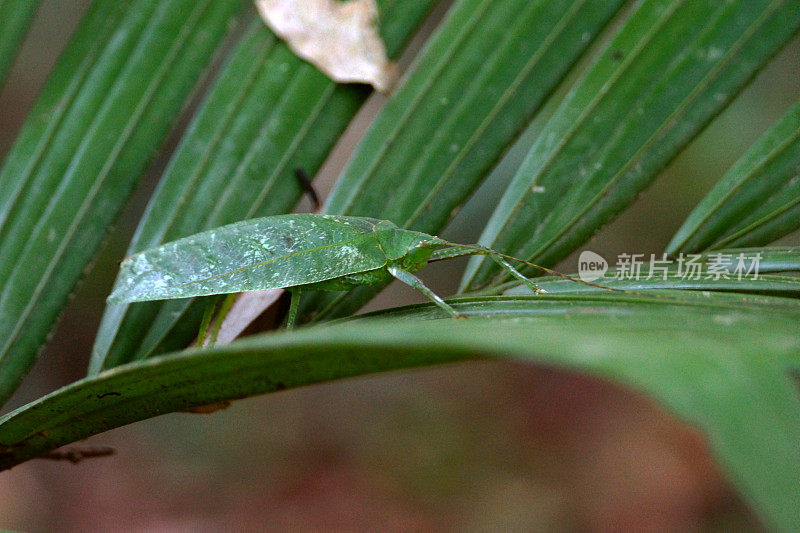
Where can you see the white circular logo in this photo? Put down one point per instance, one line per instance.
(591, 266)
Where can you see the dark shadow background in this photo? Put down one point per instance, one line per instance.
(478, 446)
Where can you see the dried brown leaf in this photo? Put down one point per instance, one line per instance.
(339, 38)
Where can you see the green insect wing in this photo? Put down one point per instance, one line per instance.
(263, 253)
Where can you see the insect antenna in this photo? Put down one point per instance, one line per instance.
(308, 188)
(480, 250)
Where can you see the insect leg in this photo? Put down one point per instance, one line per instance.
(294, 303)
(227, 303)
(207, 336)
(413, 281)
(514, 272)
(208, 314)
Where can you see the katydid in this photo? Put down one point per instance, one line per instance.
(298, 252)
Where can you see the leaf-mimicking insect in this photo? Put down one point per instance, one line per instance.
(297, 252)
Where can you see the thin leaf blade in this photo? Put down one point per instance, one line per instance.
(672, 67)
(104, 111)
(15, 17)
(744, 270)
(756, 201)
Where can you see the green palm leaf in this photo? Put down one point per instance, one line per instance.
(672, 67)
(106, 108)
(709, 363)
(476, 85)
(758, 199)
(15, 16)
(268, 114)
(717, 350)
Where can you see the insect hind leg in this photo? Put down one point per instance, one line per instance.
(413, 281)
(294, 304)
(514, 272)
